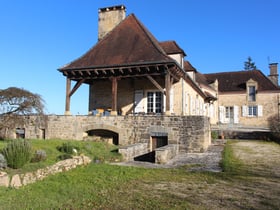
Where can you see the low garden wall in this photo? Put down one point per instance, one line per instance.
(166, 153)
(19, 180)
(131, 151)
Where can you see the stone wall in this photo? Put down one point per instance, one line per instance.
(191, 133)
(19, 180)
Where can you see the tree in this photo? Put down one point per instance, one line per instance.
(15, 103)
(249, 65)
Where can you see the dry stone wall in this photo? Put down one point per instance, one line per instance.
(19, 180)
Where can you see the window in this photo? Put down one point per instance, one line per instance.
(252, 111)
(252, 93)
(154, 102)
(229, 112)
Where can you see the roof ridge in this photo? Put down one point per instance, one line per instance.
(151, 37)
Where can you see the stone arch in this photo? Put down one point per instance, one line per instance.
(104, 130)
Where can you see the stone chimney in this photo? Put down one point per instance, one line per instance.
(273, 73)
(108, 18)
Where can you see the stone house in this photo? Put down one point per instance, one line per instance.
(246, 98)
(129, 72)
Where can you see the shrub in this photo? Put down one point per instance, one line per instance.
(64, 156)
(274, 125)
(17, 153)
(214, 135)
(68, 148)
(40, 155)
(3, 162)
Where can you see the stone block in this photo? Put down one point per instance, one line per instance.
(4, 179)
(15, 181)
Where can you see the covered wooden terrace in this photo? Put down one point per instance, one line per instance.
(169, 70)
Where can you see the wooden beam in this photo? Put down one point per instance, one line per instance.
(114, 95)
(167, 95)
(156, 84)
(76, 86)
(96, 72)
(67, 101)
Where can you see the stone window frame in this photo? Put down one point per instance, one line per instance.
(251, 84)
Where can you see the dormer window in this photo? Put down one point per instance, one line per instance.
(251, 90)
(252, 93)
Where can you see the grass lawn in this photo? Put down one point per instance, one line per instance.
(105, 186)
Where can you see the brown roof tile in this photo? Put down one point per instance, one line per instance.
(236, 81)
(188, 66)
(127, 44)
(171, 47)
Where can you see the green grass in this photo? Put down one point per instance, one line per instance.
(231, 164)
(105, 186)
(95, 150)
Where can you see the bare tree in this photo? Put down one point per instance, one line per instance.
(15, 103)
(249, 64)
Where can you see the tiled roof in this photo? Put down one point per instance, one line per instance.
(236, 81)
(171, 47)
(128, 43)
(201, 79)
(188, 66)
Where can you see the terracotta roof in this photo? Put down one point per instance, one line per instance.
(201, 79)
(128, 43)
(236, 81)
(171, 47)
(188, 66)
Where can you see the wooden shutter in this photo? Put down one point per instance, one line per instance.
(222, 111)
(235, 114)
(260, 110)
(244, 111)
(138, 101)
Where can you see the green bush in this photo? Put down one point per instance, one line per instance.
(40, 155)
(68, 148)
(214, 135)
(17, 153)
(274, 125)
(64, 156)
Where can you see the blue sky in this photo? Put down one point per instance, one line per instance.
(38, 37)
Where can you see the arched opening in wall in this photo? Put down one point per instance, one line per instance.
(101, 135)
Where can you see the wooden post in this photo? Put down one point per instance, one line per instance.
(114, 96)
(167, 93)
(67, 103)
